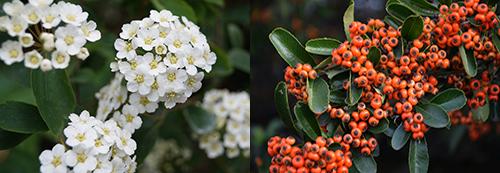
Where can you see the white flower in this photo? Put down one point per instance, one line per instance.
(83, 54)
(107, 130)
(13, 8)
(41, 3)
(48, 41)
(172, 98)
(146, 38)
(129, 30)
(118, 165)
(161, 49)
(163, 17)
(139, 80)
(233, 127)
(152, 64)
(193, 83)
(16, 26)
(172, 60)
(103, 165)
(230, 140)
(210, 59)
(125, 142)
(69, 39)
(90, 32)
(177, 40)
(214, 150)
(172, 80)
(84, 120)
(125, 49)
(146, 23)
(50, 17)
(53, 161)
(82, 160)
(11, 52)
(192, 58)
(244, 138)
(129, 119)
(131, 165)
(232, 152)
(26, 40)
(80, 136)
(73, 14)
(46, 65)
(32, 59)
(31, 14)
(101, 146)
(60, 60)
(142, 103)
(196, 39)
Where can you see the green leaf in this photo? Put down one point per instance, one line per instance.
(335, 71)
(421, 7)
(11, 139)
(354, 93)
(468, 60)
(307, 120)
(392, 21)
(21, 118)
(450, 99)
(145, 138)
(200, 120)
(219, 3)
(398, 11)
(282, 107)
(54, 97)
(177, 7)
(364, 164)
(318, 92)
(418, 157)
(374, 55)
(399, 138)
(496, 41)
(235, 35)
(289, 47)
(348, 19)
(412, 27)
(240, 59)
(381, 127)
(434, 115)
(446, 2)
(482, 113)
(222, 66)
(322, 46)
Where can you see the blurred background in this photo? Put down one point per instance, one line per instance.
(226, 23)
(449, 150)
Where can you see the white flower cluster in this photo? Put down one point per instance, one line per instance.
(167, 157)
(91, 146)
(162, 58)
(49, 33)
(233, 124)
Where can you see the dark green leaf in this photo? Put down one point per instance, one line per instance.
(327, 61)
(418, 157)
(398, 11)
(318, 93)
(482, 113)
(421, 7)
(11, 139)
(469, 62)
(412, 27)
(381, 127)
(399, 138)
(222, 66)
(434, 115)
(364, 164)
(496, 41)
(334, 72)
(457, 133)
(177, 7)
(289, 47)
(235, 35)
(348, 19)
(219, 3)
(21, 118)
(450, 99)
(392, 21)
(240, 59)
(54, 97)
(374, 55)
(307, 120)
(322, 46)
(354, 93)
(282, 107)
(200, 120)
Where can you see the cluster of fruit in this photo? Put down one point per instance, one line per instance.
(296, 80)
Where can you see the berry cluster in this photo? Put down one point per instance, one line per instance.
(296, 80)
(475, 129)
(312, 157)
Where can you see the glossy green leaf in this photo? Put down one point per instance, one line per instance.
(21, 118)
(11, 139)
(54, 97)
(364, 164)
(307, 120)
(496, 41)
(289, 47)
(434, 115)
(348, 18)
(322, 46)
(398, 11)
(240, 59)
(235, 35)
(354, 93)
(282, 107)
(399, 138)
(412, 28)
(392, 21)
(177, 7)
(335, 71)
(418, 156)
(421, 7)
(318, 92)
(482, 113)
(450, 99)
(200, 120)
(374, 55)
(469, 61)
(381, 127)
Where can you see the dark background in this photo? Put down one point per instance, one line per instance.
(449, 150)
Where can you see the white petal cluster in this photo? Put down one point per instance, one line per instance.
(232, 134)
(48, 34)
(162, 58)
(167, 157)
(111, 97)
(92, 145)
